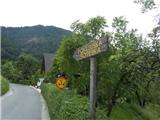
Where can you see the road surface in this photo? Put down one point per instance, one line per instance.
(23, 103)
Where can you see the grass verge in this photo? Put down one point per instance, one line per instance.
(66, 105)
(4, 86)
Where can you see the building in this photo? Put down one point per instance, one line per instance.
(47, 62)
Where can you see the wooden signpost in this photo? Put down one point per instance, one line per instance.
(90, 50)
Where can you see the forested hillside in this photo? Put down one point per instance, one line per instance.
(34, 40)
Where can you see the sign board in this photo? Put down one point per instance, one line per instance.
(61, 82)
(91, 49)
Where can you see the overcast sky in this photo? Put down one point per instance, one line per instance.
(62, 13)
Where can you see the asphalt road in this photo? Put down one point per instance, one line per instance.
(23, 103)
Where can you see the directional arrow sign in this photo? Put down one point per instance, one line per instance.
(91, 49)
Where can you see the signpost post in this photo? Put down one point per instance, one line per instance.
(90, 50)
(93, 73)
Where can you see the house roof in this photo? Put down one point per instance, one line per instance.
(47, 61)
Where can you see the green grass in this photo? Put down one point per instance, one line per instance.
(149, 112)
(66, 105)
(4, 86)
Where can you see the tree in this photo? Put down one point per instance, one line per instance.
(82, 34)
(28, 65)
(146, 4)
(113, 68)
(10, 72)
(122, 72)
(151, 55)
(92, 29)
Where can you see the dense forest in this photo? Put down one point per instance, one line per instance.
(34, 40)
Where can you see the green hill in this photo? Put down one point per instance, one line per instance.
(34, 40)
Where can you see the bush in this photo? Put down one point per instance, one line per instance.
(149, 112)
(61, 104)
(25, 82)
(10, 72)
(66, 105)
(4, 85)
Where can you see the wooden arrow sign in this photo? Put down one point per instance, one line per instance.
(91, 49)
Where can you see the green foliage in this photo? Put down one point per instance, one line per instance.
(10, 72)
(9, 50)
(93, 28)
(150, 112)
(25, 82)
(35, 77)
(146, 4)
(4, 85)
(129, 71)
(66, 105)
(83, 33)
(65, 61)
(22, 71)
(28, 65)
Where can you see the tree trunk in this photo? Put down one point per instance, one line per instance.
(110, 106)
(138, 98)
(143, 102)
(114, 97)
(113, 102)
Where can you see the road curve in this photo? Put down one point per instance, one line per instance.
(24, 103)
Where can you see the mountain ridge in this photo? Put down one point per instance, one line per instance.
(34, 40)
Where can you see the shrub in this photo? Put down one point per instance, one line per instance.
(25, 82)
(66, 105)
(4, 85)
